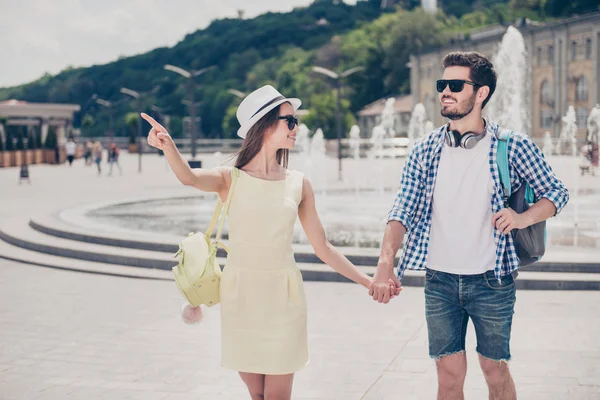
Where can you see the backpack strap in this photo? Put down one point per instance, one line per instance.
(502, 161)
(221, 211)
(234, 177)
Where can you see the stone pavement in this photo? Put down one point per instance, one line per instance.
(67, 335)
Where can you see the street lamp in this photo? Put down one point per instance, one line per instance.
(338, 87)
(192, 105)
(138, 97)
(237, 93)
(109, 105)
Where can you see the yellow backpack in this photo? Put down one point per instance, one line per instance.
(198, 274)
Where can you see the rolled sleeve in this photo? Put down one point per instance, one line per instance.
(533, 167)
(408, 196)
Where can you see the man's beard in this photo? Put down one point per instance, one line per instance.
(460, 114)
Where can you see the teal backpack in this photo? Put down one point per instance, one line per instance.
(530, 243)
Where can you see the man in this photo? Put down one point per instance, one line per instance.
(71, 149)
(450, 202)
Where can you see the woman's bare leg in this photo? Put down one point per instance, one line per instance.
(278, 387)
(255, 384)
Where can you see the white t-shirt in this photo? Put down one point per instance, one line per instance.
(462, 235)
(70, 147)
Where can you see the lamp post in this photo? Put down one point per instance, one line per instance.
(236, 93)
(338, 88)
(138, 97)
(111, 123)
(192, 105)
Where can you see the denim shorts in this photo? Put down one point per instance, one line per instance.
(450, 300)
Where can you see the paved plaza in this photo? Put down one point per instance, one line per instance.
(69, 335)
(73, 335)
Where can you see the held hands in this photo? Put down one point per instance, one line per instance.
(507, 219)
(384, 286)
(157, 136)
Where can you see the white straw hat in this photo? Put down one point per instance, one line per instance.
(258, 104)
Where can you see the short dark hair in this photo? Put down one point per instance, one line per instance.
(482, 70)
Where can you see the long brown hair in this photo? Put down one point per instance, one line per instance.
(255, 138)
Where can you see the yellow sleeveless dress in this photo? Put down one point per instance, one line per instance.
(263, 306)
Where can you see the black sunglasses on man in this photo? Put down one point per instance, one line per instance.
(456, 85)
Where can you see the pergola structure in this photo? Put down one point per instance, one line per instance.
(27, 114)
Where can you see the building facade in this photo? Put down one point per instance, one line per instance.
(370, 116)
(42, 115)
(564, 57)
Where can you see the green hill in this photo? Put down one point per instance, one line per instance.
(280, 48)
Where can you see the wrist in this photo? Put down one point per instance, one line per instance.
(385, 266)
(365, 281)
(528, 220)
(169, 146)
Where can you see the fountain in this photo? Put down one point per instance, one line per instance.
(355, 142)
(354, 213)
(429, 127)
(377, 152)
(593, 125)
(416, 125)
(317, 144)
(377, 138)
(567, 143)
(355, 155)
(388, 117)
(592, 138)
(548, 144)
(509, 105)
(303, 146)
(318, 161)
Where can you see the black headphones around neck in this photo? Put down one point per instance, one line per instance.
(467, 141)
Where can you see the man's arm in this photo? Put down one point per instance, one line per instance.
(392, 239)
(531, 165)
(399, 221)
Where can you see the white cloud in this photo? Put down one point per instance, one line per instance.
(47, 36)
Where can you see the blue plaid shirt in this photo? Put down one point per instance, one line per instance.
(412, 206)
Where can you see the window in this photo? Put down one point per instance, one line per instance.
(581, 114)
(588, 49)
(539, 56)
(546, 119)
(550, 54)
(546, 93)
(574, 51)
(581, 89)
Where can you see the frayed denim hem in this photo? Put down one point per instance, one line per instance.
(500, 360)
(437, 358)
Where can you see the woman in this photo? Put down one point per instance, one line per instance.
(98, 149)
(263, 308)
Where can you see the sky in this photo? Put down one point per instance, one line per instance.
(39, 36)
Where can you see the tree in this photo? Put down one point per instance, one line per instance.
(88, 121)
(562, 8)
(323, 113)
(131, 121)
(416, 32)
(230, 123)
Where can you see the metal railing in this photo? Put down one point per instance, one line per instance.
(392, 147)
